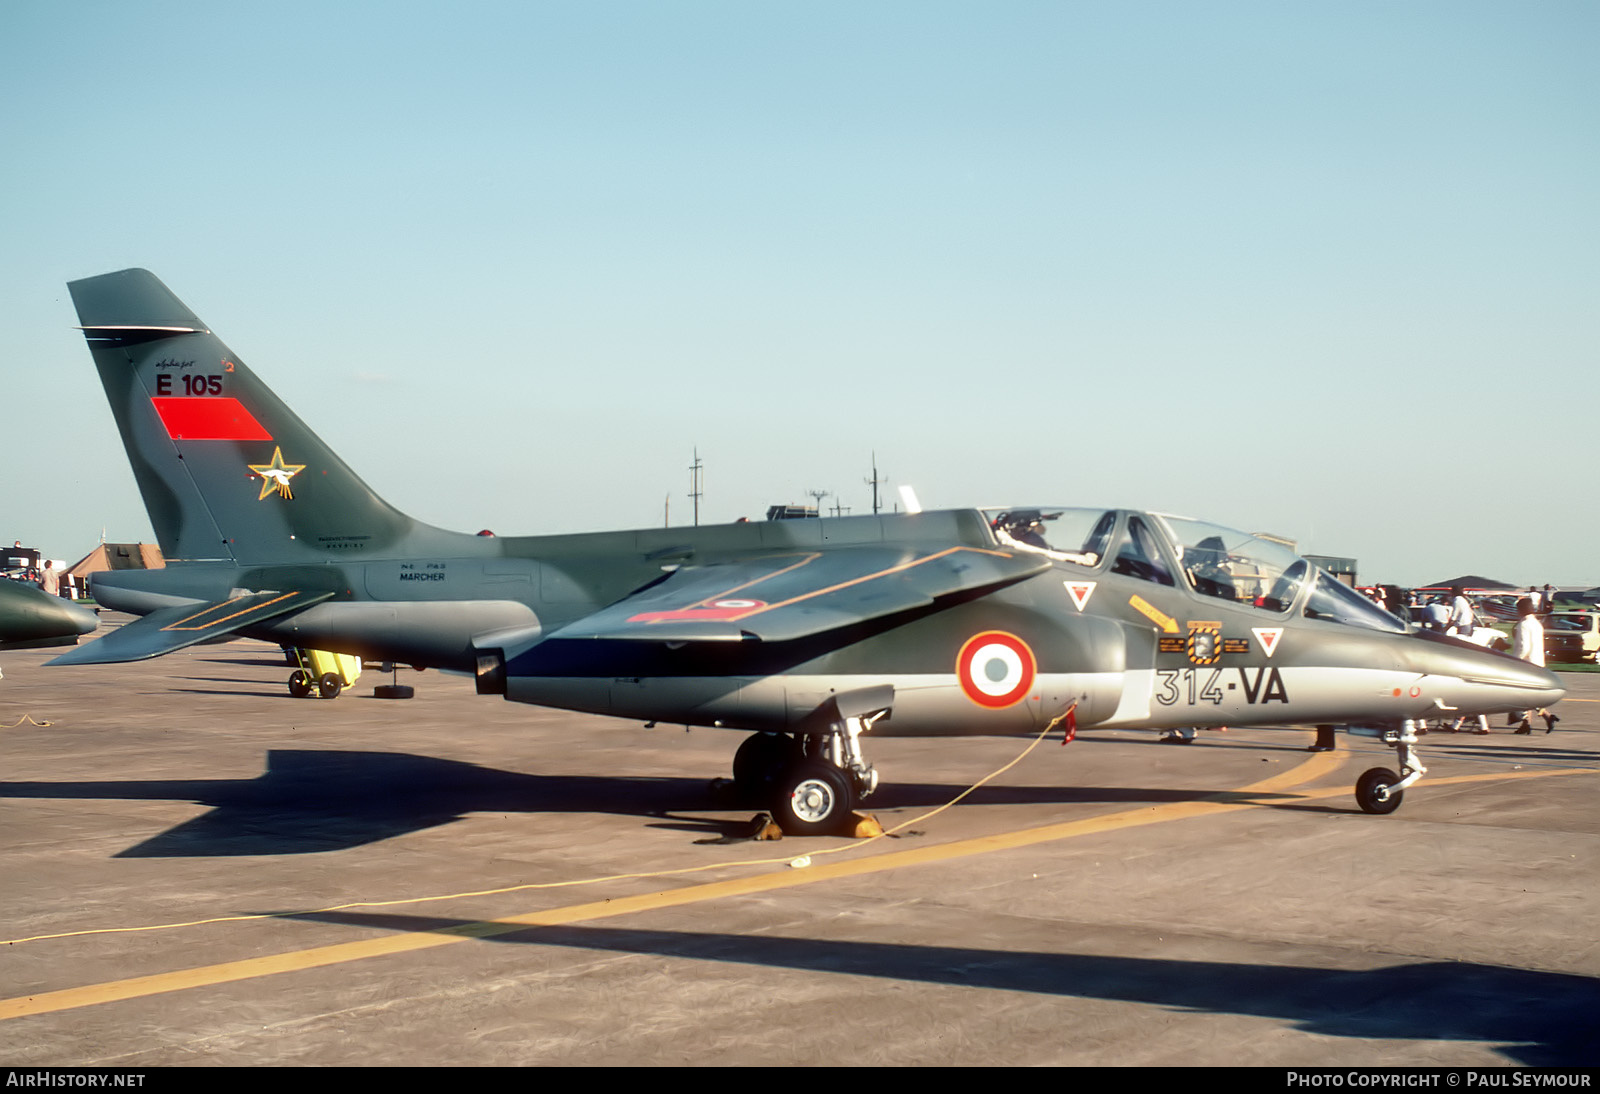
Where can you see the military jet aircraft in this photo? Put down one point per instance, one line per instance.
(811, 635)
(31, 618)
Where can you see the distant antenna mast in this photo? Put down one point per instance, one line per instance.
(875, 482)
(695, 483)
(666, 512)
(839, 510)
(817, 496)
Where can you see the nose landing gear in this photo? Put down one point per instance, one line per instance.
(1380, 790)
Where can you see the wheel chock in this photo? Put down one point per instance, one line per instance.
(759, 827)
(865, 827)
(768, 828)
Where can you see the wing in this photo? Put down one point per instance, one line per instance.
(783, 597)
(174, 628)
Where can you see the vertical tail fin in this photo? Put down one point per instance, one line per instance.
(227, 471)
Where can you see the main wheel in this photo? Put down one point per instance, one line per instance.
(1373, 794)
(329, 685)
(813, 799)
(761, 760)
(299, 683)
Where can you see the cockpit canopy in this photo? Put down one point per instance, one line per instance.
(1246, 570)
(1067, 535)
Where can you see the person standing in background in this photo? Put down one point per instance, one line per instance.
(1527, 642)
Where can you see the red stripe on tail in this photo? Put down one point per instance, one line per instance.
(209, 419)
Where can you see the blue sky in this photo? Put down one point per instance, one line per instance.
(1325, 270)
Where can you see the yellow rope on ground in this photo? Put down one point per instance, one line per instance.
(1033, 744)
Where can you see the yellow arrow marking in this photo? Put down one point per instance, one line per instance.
(1154, 614)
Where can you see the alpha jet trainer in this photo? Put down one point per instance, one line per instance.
(810, 635)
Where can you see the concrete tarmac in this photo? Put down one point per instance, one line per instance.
(197, 868)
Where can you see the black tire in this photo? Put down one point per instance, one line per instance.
(813, 799)
(299, 684)
(329, 685)
(761, 761)
(393, 691)
(1370, 791)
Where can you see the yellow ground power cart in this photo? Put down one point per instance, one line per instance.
(324, 672)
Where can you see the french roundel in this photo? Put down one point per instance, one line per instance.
(996, 669)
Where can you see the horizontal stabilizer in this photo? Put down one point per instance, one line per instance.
(780, 598)
(174, 628)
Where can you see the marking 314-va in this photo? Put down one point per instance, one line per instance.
(1192, 686)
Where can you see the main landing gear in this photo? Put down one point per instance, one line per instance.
(1380, 790)
(811, 783)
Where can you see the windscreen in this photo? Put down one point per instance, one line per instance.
(1337, 602)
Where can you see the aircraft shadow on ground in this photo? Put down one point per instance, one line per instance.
(259, 693)
(1543, 1019)
(310, 801)
(1551, 753)
(277, 662)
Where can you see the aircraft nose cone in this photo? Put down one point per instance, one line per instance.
(1532, 685)
(1547, 686)
(83, 618)
(1487, 682)
(1527, 685)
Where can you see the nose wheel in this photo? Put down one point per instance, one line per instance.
(1376, 793)
(1379, 790)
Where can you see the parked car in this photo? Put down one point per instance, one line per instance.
(1572, 636)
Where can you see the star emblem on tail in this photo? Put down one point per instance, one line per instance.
(275, 476)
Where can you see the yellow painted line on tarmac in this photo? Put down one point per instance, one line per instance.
(225, 972)
(1454, 780)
